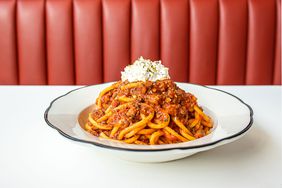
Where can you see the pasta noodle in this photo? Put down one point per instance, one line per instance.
(147, 113)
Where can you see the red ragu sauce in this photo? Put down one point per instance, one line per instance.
(162, 97)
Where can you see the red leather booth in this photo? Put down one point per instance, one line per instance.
(230, 42)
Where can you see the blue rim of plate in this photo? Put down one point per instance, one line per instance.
(248, 126)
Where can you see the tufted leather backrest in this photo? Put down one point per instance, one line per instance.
(90, 41)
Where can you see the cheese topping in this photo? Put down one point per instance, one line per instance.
(145, 70)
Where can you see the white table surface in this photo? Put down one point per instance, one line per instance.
(34, 155)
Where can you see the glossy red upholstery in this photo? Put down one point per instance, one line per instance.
(90, 41)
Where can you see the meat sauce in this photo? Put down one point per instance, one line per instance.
(162, 96)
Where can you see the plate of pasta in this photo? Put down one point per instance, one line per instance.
(147, 117)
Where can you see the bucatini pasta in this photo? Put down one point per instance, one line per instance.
(148, 113)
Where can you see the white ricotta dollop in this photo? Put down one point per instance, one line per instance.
(145, 70)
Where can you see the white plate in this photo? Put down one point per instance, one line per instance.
(231, 115)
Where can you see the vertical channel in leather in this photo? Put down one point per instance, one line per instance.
(203, 41)
(175, 38)
(116, 37)
(88, 41)
(261, 41)
(8, 44)
(277, 66)
(145, 38)
(233, 32)
(59, 42)
(31, 42)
